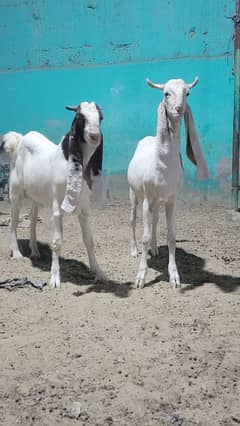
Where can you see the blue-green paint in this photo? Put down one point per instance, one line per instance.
(62, 52)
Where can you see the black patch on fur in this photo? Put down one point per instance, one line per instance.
(97, 159)
(77, 128)
(65, 146)
(1, 143)
(99, 112)
(73, 140)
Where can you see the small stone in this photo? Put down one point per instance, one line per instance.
(74, 410)
(109, 420)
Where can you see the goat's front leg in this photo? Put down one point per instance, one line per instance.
(133, 217)
(88, 241)
(33, 238)
(56, 246)
(147, 231)
(171, 239)
(16, 203)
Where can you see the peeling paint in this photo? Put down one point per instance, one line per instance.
(115, 91)
(106, 32)
(65, 63)
(35, 16)
(192, 32)
(122, 45)
(91, 4)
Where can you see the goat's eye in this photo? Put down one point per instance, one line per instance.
(188, 94)
(167, 95)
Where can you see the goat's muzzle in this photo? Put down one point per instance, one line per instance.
(179, 109)
(94, 137)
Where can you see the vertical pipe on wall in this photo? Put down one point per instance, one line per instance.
(236, 114)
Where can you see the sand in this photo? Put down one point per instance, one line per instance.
(103, 354)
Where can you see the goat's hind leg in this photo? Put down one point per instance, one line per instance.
(133, 217)
(88, 241)
(154, 247)
(56, 246)
(16, 204)
(33, 239)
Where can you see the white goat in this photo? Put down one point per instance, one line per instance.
(59, 177)
(155, 173)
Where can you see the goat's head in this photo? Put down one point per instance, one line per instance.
(175, 96)
(173, 107)
(82, 147)
(86, 124)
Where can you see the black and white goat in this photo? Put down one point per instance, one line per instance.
(155, 173)
(59, 177)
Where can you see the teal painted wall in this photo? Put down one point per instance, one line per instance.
(59, 52)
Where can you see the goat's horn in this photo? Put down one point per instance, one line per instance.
(72, 108)
(195, 81)
(154, 85)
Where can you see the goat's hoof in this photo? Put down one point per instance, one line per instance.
(140, 281)
(100, 276)
(16, 254)
(134, 252)
(54, 282)
(175, 280)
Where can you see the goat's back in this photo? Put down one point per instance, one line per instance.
(37, 144)
(142, 164)
(32, 171)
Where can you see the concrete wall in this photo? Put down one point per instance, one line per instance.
(58, 52)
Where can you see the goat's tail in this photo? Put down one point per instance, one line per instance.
(10, 141)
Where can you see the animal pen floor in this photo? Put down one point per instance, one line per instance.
(129, 357)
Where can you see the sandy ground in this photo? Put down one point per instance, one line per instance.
(119, 355)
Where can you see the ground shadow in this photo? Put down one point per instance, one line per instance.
(191, 270)
(75, 272)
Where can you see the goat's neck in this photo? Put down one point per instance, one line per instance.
(168, 140)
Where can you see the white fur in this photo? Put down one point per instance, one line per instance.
(40, 172)
(155, 173)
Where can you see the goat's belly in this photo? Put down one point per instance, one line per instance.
(38, 184)
(41, 194)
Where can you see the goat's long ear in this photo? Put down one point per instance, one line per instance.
(163, 125)
(94, 167)
(193, 148)
(75, 174)
(97, 159)
(99, 112)
(98, 186)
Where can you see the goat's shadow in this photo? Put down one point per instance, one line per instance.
(75, 272)
(191, 271)
(190, 267)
